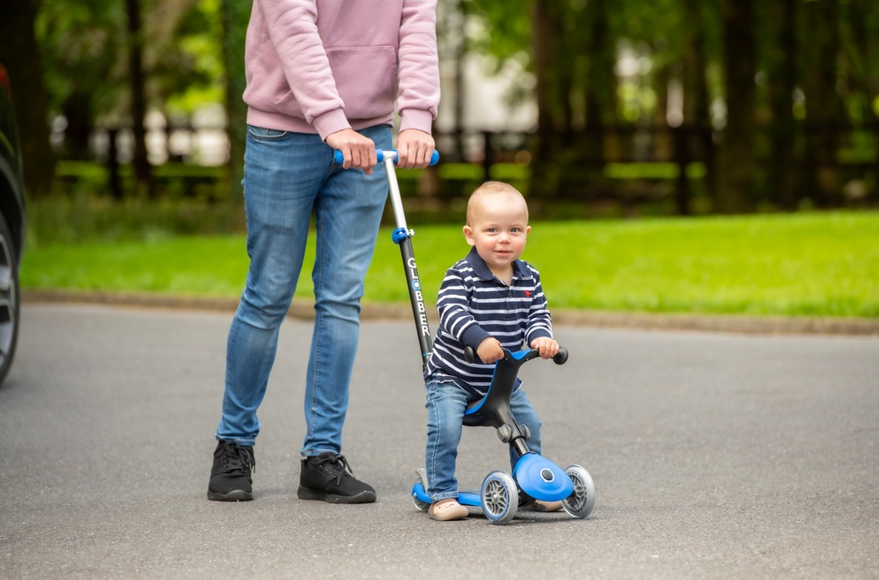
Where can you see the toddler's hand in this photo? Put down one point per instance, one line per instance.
(490, 351)
(547, 347)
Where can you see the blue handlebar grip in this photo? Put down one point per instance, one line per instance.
(337, 155)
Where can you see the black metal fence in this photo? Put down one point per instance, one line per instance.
(625, 165)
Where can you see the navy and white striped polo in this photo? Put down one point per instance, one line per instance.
(474, 304)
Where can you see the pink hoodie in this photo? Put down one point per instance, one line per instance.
(320, 66)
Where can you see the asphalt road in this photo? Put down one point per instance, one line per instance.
(715, 456)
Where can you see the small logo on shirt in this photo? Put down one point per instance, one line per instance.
(527, 293)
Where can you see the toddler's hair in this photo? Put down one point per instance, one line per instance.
(491, 188)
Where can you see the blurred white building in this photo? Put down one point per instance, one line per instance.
(486, 102)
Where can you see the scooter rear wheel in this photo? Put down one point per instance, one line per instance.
(422, 479)
(499, 497)
(582, 501)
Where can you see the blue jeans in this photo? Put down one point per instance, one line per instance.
(446, 403)
(287, 177)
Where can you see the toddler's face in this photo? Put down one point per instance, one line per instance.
(498, 230)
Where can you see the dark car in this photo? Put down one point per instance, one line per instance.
(12, 225)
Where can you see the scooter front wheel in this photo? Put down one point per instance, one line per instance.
(582, 500)
(499, 497)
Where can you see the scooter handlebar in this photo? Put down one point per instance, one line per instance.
(392, 153)
(560, 358)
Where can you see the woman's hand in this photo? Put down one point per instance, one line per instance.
(358, 151)
(414, 149)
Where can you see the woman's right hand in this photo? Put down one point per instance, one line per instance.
(358, 151)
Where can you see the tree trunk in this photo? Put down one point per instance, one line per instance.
(736, 161)
(823, 105)
(20, 55)
(601, 79)
(77, 109)
(697, 115)
(462, 48)
(142, 169)
(235, 15)
(600, 105)
(783, 75)
(546, 28)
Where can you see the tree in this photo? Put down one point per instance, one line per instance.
(861, 19)
(696, 109)
(137, 80)
(823, 105)
(81, 44)
(791, 74)
(573, 60)
(736, 162)
(780, 56)
(547, 23)
(453, 46)
(28, 91)
(235, 15)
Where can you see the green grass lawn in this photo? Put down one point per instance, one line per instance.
(803, 264)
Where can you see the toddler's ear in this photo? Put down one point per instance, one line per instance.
(468, 235)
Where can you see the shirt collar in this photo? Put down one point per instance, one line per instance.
(481, 269)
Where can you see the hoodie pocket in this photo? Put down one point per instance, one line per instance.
(366, 79)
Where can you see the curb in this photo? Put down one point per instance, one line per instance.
(303, 310)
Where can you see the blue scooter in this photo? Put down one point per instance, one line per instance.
(534, 477)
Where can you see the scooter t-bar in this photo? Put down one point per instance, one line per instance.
(402, 236)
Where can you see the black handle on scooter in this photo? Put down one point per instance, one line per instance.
(560, 358)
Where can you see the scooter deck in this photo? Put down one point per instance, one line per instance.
(468, 498)
(474, 498)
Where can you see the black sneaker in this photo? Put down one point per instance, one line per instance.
(230, 475)
(328, 477)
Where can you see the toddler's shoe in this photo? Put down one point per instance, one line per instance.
(230, 474)
(448, 509)
(546, 506)
(327, 477)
